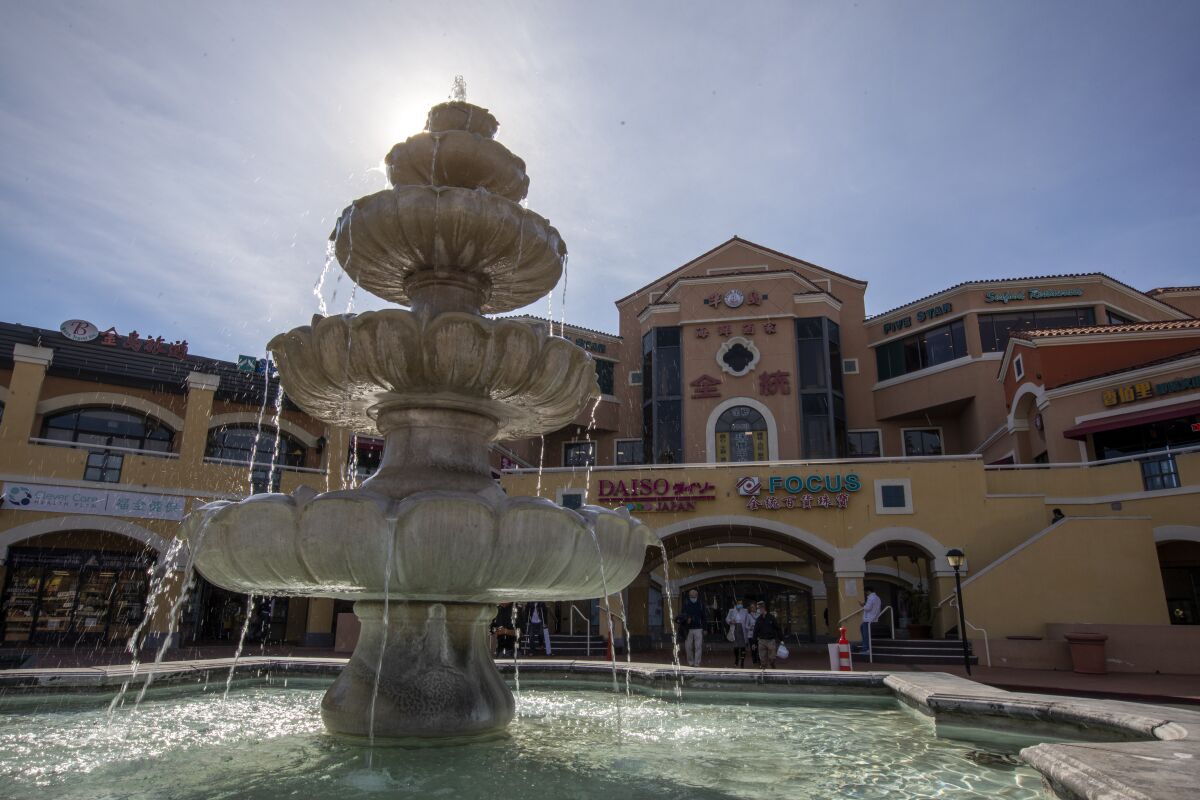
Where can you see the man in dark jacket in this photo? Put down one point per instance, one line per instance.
(694, 615)
(769, 634)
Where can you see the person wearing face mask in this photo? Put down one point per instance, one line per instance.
(739, 621)
(753, 613)
(694, 618)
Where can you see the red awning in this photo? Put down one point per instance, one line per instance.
(1132, 418)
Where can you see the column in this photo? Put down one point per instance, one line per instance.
(946, 617)
(29, 370)
(160, 615)
(638, 612)
(848, 573)
(194, 439)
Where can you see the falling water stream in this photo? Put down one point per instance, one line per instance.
(387, 583)
(670, 613)
(241, 643)
(262, 412)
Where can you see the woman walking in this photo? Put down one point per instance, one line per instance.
(740, 622)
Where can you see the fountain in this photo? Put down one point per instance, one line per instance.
(429, 544)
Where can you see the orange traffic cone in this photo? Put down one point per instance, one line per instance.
(844, 664)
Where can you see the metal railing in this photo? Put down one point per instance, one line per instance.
(103, 448)
(237, 462)
(953, 601)
(891, 619)
(587, 627)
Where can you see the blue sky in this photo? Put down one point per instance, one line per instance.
(177, 168)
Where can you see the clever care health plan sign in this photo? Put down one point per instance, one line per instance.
(79, 500)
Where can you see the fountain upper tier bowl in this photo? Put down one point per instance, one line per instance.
(431, 546)
(346, 369)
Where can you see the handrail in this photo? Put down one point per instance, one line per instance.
(870, 644)
(987, 649)
(235, 462)
(848, 616)
(102, 448)
(575, 610)
(1102, 462)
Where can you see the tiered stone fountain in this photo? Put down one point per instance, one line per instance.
(430, 533)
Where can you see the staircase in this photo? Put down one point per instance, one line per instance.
(918, 651)
(565, 645)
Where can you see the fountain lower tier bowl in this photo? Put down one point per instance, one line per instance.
(436, 546)
(427, 572)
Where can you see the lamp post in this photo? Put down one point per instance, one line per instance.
(956, 558)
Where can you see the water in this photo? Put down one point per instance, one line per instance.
(278, 433)
(387, 584)
(268, 742)
(669, 611)
(241, 643)
(262, 412)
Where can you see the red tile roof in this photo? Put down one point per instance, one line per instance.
(1099, 330)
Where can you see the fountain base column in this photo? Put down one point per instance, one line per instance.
(437, 676)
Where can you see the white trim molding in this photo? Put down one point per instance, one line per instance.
(811, 541)
(814, 586)
(251, 418)
(710, 427)
(82, 522)
(28, 354)
(905, 483)
(1176, 533)
(934, 549)
(65, 402)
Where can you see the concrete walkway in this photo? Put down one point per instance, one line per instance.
(1175, 689)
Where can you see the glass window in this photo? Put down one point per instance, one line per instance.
(741, 435)
(604, 375)
(1118, 319)
(366, 455)
(862, 444)
(995, 329)
(237, 442)
(579, 454)
(572, 499)
(108, 427)
(892, 495)
(1160, 473)
(921, 350)
(629, 451)
(923, 442)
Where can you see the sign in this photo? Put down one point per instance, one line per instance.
(247, 364)
(1030, 294)
(770, 383)
(591, 347)
(76, 500)
(79, 330)
(1144, 390)
(924, 315)
(642, 495)
(704, 387)
(803, 492)
(153, 345)
(734, 298)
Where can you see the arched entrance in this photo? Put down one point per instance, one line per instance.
(1179, 560)
(74, 587)
(790, 600)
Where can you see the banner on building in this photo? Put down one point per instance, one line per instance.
(78, 500)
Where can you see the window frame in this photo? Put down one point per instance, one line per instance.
(941, 440)
(592, 446)
(878, 438)
(906, 484)
(617, 452)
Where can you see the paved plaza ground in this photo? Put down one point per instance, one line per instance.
(1174, 689)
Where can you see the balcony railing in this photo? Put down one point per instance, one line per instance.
(100, 448)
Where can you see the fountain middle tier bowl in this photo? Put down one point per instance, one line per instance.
(388, 240)
(340, 367)
(433, 546)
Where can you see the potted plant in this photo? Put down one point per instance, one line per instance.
(920, 616)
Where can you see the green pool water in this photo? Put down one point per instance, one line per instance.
(267, 741)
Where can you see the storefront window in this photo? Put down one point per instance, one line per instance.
(994, 329)
(58, 596)
(922, 442)
(741, 435)
(1184, 431)
(921, 350)
(662, 396)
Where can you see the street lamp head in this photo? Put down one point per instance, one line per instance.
(956, 558)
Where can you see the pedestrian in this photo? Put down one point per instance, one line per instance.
(752, 640)
(694, 614)
(505, 633)
(769, 634)
(871, 610)
(738, 619)
(535, 626)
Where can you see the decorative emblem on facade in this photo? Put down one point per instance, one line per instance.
(749, 486)
(774, 383)
(734, 298)
(737, 356)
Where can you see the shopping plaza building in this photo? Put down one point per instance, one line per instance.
(784, 446)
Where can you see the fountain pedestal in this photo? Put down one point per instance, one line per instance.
(435, 673)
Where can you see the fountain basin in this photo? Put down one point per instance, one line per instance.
(529, 382)
(387, 240)
(737, 735)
